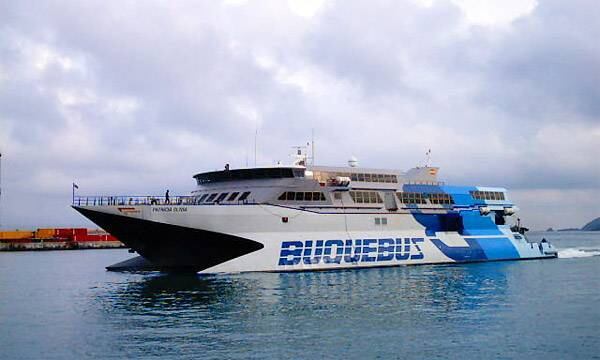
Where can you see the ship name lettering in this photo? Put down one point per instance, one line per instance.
(170, 209)
(350, 251)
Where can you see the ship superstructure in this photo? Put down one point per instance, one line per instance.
(306, 217)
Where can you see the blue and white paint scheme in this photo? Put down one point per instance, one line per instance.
(307, 217)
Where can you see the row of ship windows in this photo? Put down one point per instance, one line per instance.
(216, 197)
(373, 197)
(323, 176)
(302, 196)
(360, 197)
(487, 195)
(366, 197)
(421, 198)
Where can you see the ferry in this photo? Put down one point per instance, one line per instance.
(306, 217)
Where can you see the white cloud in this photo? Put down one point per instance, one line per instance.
(495, 12)
(95, 93)
(306, 8)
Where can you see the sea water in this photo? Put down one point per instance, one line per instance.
(64, 305)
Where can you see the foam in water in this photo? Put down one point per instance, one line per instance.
(569, 253)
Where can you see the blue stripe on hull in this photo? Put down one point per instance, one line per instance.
(479, 249)
(473, 252)
(498, 248)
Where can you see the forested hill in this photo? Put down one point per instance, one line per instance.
(593, 225)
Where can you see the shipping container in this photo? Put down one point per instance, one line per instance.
(64, 232)
(45, 233)
(111, 238)
(11, 235)
(96, 237)
(80, 232)
(70, 233)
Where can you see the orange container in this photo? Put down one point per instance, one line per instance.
(13, 235)
(44, 233)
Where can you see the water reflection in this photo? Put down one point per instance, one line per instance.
(436, 289)
(221, 313)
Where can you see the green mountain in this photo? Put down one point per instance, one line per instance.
(593, 225)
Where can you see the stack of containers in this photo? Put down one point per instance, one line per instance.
(60, 234)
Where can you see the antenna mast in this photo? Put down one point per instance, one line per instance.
(427, 158)
(312, 144)
(255, 136)
(0, 189)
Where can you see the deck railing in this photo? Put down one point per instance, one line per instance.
(132, 200)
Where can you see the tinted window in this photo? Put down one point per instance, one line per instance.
(233, 196)
(248, 174)
(244, 196)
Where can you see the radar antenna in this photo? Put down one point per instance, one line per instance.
(428, 158)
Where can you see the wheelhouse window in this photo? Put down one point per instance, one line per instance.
(248, 174)
(201, 199)
(233, 196)
(212, 197)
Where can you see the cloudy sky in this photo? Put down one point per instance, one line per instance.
(128, 97)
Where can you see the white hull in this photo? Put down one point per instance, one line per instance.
(299, 240)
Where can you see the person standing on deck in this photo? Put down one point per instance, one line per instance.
(167, 201)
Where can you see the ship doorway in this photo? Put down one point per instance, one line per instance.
(390, 201)
(499, 218)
